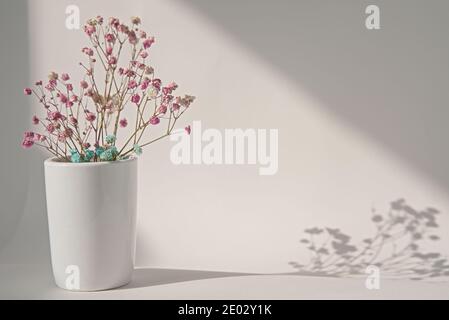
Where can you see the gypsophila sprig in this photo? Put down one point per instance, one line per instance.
(83, 125)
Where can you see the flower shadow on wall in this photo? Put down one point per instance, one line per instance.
(395, 247)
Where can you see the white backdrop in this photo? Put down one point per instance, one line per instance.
(362, 118)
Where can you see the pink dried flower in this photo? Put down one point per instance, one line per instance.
(90, 116)
(89, 29)
(27, 143)
(135, 98)
(39, 138)
(142, 34)
(84, 84)
(88, 51)
(132, 84)
(148, 42)
(68, 133)
(35, 120)
(123, 123)
(61, 137)
(132, 37)
(162, 109)
(144, 54)
(169, 88)
(28, 135)
(112, 60)
(144, 85)
(50, 128)
(73, 120)
(54, 116)
(157, 84)
(110, 37)
(114, 22)
(63, 98)
(123, 28)
(89, 92)
(154, 120)
(130, 73)
(137, 79)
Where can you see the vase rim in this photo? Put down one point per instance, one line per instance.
(54, 162)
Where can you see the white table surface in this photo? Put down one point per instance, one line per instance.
(35, 282)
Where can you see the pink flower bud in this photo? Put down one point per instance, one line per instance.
(84, 84)
(162, 109)
(154, 120)
(89, 29)
(148, 42)
(63, 98)
(27, 143)
(132, 84)
(110, 37)
(123, 123)
(112, 60)
(65, 77)
(88, 51)
(35, 120)
(188, 129)
(90, 117)
(144, 54)
(54, 116)
(142, 34)
(73, 120)
(27, 91)
(50, 128)
(135, 98)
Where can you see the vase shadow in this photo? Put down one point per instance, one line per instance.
(148, 277)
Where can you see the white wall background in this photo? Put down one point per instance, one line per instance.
(362, 118)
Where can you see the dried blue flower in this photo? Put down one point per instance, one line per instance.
(89, 155)
(99, 151)
(110, 139)
(137, 149)
(75, 157)
(110, 154)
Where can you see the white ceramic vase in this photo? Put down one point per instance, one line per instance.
(92, 222)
